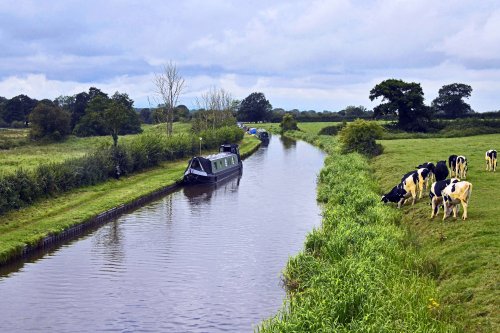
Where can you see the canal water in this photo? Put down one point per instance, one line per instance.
(202, 259)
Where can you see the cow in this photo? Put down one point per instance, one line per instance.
(452, 163)
(491, 160)
(461, 167)
(396, 195)
(423, 180)
(436, 196)
(430, 166)
(454, 195)
(441, 171)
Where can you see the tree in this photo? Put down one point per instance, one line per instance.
(115, 118)
(406, 100)
(450, 100)
(169, 85)
(77, 108)
(255, 108)
(48, 120)
(215, 110)
(288, 123)
(18, 109)
(92, 123)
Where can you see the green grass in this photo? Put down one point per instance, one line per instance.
(464, 255)
(51, 216)
(30, 155)
(311, 128)
(359, 271)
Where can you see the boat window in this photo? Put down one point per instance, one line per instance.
(215, 165)
(225, 162)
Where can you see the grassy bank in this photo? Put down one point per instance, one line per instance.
(51, 216)
(463, 255)
(359, 271)
(17, 152)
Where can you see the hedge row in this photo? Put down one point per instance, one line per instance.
(358, 272)
(22, 188)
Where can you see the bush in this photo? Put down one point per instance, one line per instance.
(360, 136)
(288, 123)
(332, 130)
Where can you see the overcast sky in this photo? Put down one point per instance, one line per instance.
(309, 55)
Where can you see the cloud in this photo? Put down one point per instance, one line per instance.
(322, 54)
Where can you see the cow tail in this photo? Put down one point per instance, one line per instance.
(469, 192)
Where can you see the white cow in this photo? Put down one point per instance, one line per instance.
(454, 195)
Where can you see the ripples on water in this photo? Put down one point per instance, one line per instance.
(203, 259)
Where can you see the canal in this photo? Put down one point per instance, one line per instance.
(202, 259)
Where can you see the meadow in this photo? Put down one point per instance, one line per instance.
(463, 255)
(27, 155)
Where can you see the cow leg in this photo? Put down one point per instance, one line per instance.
(455, 210)
(445, 210)
(464, 204)
(435, 208)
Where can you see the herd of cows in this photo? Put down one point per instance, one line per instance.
(447, 192)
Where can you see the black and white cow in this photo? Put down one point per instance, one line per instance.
(396, 195)
(454, 195)
(441, 171)
(461, 167)
(452, 163)
(431, 167)
(408, 187)
(436, 195)
(491, 160)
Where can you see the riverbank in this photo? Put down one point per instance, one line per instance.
(30, 226)
(360, 271)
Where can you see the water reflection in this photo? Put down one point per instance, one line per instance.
(288, 143)
(197, 194)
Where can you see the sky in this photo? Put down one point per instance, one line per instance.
(306, 55)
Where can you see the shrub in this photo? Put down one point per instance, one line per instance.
(288, 123)
(332, 130)
(360, 136)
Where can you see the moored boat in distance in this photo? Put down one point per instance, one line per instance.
(216, 167)
(262, 134)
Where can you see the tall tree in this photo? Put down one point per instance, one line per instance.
(115, 118)
(169, 85)
(255, 107)
(450, 100)
(18, 109)
(92, 123)
(77, 108)
(48, 120)
(406, 100)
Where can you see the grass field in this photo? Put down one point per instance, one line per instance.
(310, 128)
(465, 256)
(29, 156)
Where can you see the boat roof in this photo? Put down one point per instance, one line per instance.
(219, 156)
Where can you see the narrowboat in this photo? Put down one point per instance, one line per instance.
(262, 134)
(214, 168)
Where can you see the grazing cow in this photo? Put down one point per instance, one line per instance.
(396, 195)
(430, 166)
(453, 196)
(491, 160)
(436, 195)
(399, 193)
(441, 171)
(452, 162)
(461, 167)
